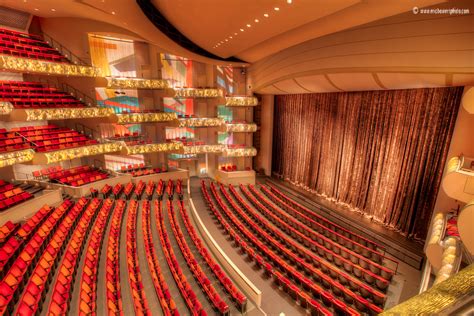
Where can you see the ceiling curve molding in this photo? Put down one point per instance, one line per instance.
(160, 22)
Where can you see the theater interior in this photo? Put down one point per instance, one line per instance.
(237, 157)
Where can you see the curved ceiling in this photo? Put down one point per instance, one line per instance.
(209, 23)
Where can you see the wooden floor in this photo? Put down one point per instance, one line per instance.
(400, 247)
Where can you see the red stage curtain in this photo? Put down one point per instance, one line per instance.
(379, 152)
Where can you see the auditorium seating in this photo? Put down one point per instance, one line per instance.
(11, 141)
(140, 302)
(7, 230)
(138, 170)
(229, 168)
(167, 303)
(34, 95)
(51, 137)
(11, 195)
(195, 307)
(76, 176)
(230, 288)
(212, 295)
(88, 286)
(112, 277)
(352, 262)
(32, 299)
(28, 46)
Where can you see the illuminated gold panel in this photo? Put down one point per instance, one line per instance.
(241, 101)
(131, 118)
(72, 153)
(198, 93)
(5, 108)
(239, 152)
(241, 128)
(12, 63)
(200, 122)
(203, 149)
(8, 159)
(152, 148)
(66, 113)
(137, 83)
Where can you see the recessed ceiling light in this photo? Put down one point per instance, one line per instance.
(256, 20)
(113, 12)
(248, 25)
(36, 9)
(53, 10)
(226, 40)
(230, 37)
(266, 15)
(236, 33)
(289, 1)
(276, 8)
(241, 30)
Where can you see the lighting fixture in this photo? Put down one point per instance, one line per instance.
(36, 9)
(236, 34)
(113, 12)
(256, 20)
(248, 25)
(226, 40)
(276, 8)
(54, 10)
(265, 15)
(230, 37)
(241, 30)
(289, 1)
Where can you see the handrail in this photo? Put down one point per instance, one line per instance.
(64, 87)
(63, 50)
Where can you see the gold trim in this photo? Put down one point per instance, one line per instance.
(11, 158)
(146, 117)
(66, 113)
(241, 101)
(241, 128)
(12, 63)
(72, 153)
(137, 83)
(438, 297)
(203, 149)
(239, 152)
(201, 122)
(151, 148)
(5, 108)
(181, 93)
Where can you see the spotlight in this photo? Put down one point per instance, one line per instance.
(248, 25)
(256, 20)
(276, 8)
(266, 15)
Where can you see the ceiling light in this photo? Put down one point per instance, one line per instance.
(248, 25)
(230, 37)
(266, 15)
(226, 40)
(113, 12)
(241, 30)
(36, 9)
(256, 20)
(236, 34)
(289, 1)
(276, 8)
(53, 10)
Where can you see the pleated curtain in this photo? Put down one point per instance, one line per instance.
(381, 153)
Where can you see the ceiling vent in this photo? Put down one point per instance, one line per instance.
(14, 19)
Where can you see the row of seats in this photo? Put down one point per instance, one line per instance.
(36, 95)
(227, 283)
(127, 191)
(193, 303)
(356, 238)
(139, 190)
(15, 243)
(179, 189)
(10, 141)
(34, 295)
(148, 171)
(45, 173)
(140, 302)
(304, 297)
(51, 137)
(305, 261)
(27, 46)
(7, 230)
(88, 283)
(64, 284)
(334, 252)
(27, 257)
(150, 188)
(317, 266)
(78, 176)
(112, 274)
(167, 303)
(11, 195)
(217, 302)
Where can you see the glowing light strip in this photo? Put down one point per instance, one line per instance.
(5, 108)
(73, 153)
(8, 159)
(241, 128)
(152, 148)
(241, 101)
(66, 113)
(200, 122)
(12, 63)
(240, 152)
(146, 117)
(198, 93)
(137, 83)
(203, 149)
